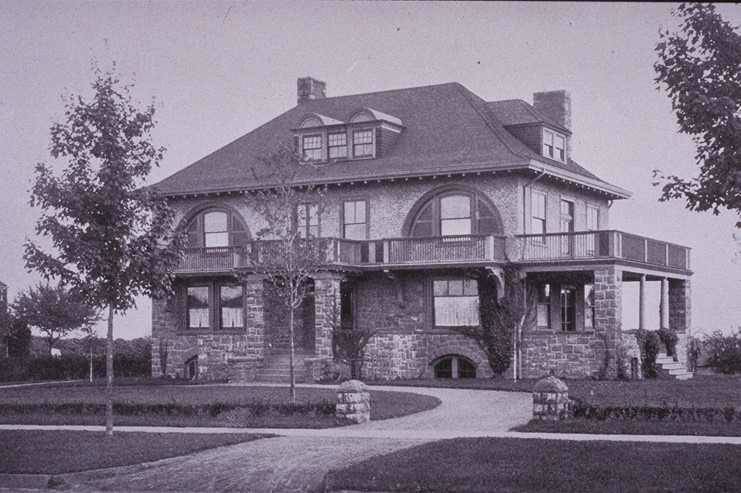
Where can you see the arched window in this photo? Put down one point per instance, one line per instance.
(454, 212)
(216, 228)
(454, 366)
(191, 368)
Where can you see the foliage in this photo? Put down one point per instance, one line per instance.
(54, 311)
(349, 345)
(694, 350)
(19, 337)
(669, 338)
(724, 351)
(620, 355)
(649, 344)
(699, 68)
(164, 350)
(671, 413)
(73, 367)
(501, 320)
(113, 239)
(286, 254)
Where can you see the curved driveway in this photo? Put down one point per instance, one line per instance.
(299, 459)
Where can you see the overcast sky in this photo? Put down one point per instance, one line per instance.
(219, 69)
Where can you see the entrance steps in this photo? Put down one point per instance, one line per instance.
(668, 368)
(277, 368)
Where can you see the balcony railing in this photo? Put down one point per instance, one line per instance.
(454, 250)
(586, 245)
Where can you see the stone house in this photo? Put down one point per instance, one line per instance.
(432, 191)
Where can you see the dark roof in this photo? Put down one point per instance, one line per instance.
(519, 112)
(447, 129)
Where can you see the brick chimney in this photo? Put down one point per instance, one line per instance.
(556, 105)
(310, 88)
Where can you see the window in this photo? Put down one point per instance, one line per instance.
(454, 367)
(544, 305)
(362, 142)
(216, 228)
(592, 217)
(568, 309)
(312, 147)
(308, 220)
(589, 310)
(231, 306)
(198, 307)
(456, 302)
(567, 226)
(354, 220)
(537, 223)
(337, 145)
(455, 215)
(554, 145)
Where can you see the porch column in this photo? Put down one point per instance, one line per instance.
(642, 303)
(679, 305)
(663, 305)
(254, 314)
(327, 311)
(608, 302)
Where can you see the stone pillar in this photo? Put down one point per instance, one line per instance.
(608, 302)
(327, 312)
(663, 304)
(679, 305)
(353, 402)
(642, 303)
(550, 399)
(254, 323)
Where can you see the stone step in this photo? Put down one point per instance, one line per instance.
(672, 366)
(678, 371)
(685, 376)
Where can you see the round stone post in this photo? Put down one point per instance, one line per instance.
(353, 402)
(550, 399)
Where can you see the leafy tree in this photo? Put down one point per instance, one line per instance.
(503, 317)
(286, 253)
(19, 338)
(700, 68)
(113, 239)
(54, 311)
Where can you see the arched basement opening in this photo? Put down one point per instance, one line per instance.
(454, 366)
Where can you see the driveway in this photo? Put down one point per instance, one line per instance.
(298, 460)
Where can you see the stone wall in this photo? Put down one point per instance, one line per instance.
(570, 355)
(680, 307)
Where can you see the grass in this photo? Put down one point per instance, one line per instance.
(56, 452)
(513, 465)
(384, 405)
(633, 427)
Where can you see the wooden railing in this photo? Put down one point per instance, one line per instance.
(602, 244)
(463, 249)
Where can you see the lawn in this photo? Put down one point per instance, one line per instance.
(56, 452)
(179, 405)
(513, 465)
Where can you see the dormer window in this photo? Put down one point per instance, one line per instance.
(312, 147)
(337, 145)
(362, 142)
(554, 145)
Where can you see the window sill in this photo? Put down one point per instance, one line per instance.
(200, 332)
(551, 332)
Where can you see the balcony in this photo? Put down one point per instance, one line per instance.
(595, 245)
(464, 250)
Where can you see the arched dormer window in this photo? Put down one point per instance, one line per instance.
(362, 116)
(453, 211)
(216, 227)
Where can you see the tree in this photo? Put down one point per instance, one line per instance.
(54, 311)
(288, 251)
(503, 316)
(699, 68)
(349, 343)
(19, 338)
(113, 238)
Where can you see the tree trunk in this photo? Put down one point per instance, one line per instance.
(91, 361)
(291, 349)
(109, 375)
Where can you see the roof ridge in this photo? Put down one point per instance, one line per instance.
(386, 91)
(467, 94)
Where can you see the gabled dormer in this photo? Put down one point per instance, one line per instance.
(543, 126)
(364, 133)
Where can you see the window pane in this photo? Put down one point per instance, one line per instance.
(231, 307)
(589, 305)
(214, 221)
(425, 213)
(355, 231)
(455, 206)
(537, 226)
(422, 229)
(538, 205)
(457, 311)
(470, 287)
(543, 315)
(592, 218)
(337, 145)
(440, 288)
(360, 211)
(449, 227)
(362, 137)
(217, 239)
(313, 214)
(337, 139)
(455, 287)
(198, 307)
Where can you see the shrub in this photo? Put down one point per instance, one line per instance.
(724, 351)
(649, 344)
(72, 367)
(657, 413)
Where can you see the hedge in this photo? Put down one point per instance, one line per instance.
(73, 367)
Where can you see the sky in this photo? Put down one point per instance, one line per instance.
(219, 69)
